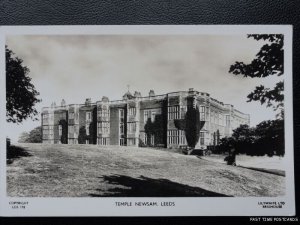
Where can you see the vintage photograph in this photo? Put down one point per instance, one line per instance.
(145, 116)
(106, 115)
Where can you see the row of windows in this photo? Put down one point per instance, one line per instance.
(176, 137)
(173, 112)
(48, 129)
(201, 138)
(202, 113)
(88, 116)
(72, 141)
(72, 129)
(122, 128)
(87, 129)
(227, 120)
(103, 141)
(131, 127)
(151, 139)
(47, 118)
(132, 111)
(122, 141)
(217, 118)
(103, 113)
(103, 127)
(150, 114)
(130, 141)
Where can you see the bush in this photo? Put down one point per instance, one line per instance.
(267, 138)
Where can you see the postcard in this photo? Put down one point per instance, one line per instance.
(182, 120)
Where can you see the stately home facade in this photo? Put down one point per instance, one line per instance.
(140, 121)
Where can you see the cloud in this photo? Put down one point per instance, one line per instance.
(77, 67)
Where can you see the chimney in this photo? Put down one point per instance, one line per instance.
(191, 91)
(105, 99)
(151, 93)
(63, 103)
(137, 94)
(88, 101)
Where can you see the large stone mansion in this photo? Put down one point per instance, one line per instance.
(125, 122)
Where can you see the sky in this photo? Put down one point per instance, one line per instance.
(74, 68)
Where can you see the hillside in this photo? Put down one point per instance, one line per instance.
(44, 170)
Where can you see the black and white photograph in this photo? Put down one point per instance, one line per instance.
(141, 120)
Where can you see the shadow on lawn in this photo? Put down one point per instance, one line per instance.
(148, 187)
(14, 152)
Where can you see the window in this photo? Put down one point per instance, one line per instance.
(202, 113)
(88, 116)
(183, 112)
(87, 129)
(45, 118)
(103, 112)
(71, 115)
(122, 141)
(60, 130)
(103, 127)
(121, 115)
(103, 141)
(227, 120)
(50, 132)
(145, 139)
(152, 139)
(132, 111)
(45, 132)
(71, 129)
(207, 114)
(130, 141)
(216, 118)
(122, 128)
(220, 119)
(173, 112)
(173, 137)
(131, 127)
(201, 138)
(146, 115)
(152, 117)
(182, 137)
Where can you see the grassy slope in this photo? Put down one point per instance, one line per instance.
(88, 170)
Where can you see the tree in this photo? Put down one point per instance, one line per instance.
(268, 62)
(244, 138)
(21, 95)
(23, 137)
(82, 137)
(270, 137)
(34, 136)
(267, 138)
(64, 131)
(191, 124)
(192, 128)
(156, 129)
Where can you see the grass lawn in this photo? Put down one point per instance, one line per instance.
(43, 170)
(274, 164)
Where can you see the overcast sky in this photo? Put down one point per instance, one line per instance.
(78, 67)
